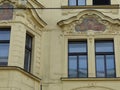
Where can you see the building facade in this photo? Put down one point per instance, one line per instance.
(59, 44)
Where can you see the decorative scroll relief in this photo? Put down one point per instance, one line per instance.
(90, 23)
(18, 3)
(93, 88)
(87, 25)
(6, 11)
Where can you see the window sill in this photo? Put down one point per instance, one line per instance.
(90, 79)
(114, 6)
(19, 69)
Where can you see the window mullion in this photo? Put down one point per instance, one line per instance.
(77, 2)
(4, 41)
(105, 67)
(77, 66)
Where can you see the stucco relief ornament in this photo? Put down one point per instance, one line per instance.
(90, 23)
(6, 11)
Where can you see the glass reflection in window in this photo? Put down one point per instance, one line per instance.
(105, 63)
(4, 45)
(28, 52)
(77, 58)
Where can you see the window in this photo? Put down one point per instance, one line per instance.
(105, 63)
(28, 51)
(4, 45)
(101, 2)
(77, 2)
(83, 2)
(77, 58)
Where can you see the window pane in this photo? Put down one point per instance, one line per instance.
(28, 51)
(104, 46)
(101, 2)
(82, 66)
(81, 2)
(4, 35)
(27, 60)
(72, 66)
(4, 50)
(100, 67)
(77, 47)
(28, 41)
(72, 2)
(110, 66)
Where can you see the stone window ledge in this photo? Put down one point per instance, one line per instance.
(113, 6)
(90, 79)
(15, 68)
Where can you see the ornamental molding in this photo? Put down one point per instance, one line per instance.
(93, 88)
(22, 7)
(23, 3)
(15, 3)
(90, 22)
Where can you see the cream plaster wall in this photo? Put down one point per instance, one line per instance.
(91, 85)
(59, 3)
(49, 55)
(17, 80)
(13, 77)
(19, 28)
(54, 64)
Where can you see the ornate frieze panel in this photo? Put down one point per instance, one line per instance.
(15, 11)
(90, 22)
(6, 11)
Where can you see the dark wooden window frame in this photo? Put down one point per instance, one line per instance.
(30, 50)
(77, 55)
(105, 54)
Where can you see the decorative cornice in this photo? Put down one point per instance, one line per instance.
(86, 13)
(90, 79)
(113, 6)
(23, 3)
(110, 25)
(16, 3)
(30, 5)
